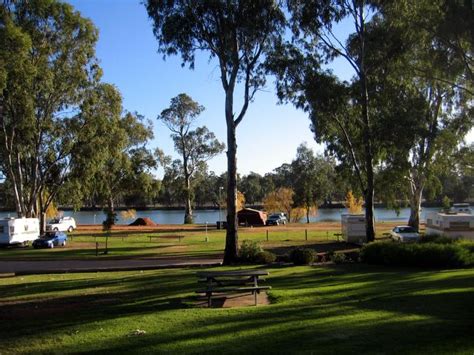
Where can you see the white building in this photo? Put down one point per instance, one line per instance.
(353, 228)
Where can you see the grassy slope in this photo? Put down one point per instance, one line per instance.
(336, 309)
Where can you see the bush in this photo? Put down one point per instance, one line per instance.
(422, 254)
(285, 258)
(303, 256)
(438, 239)
(339, 258)
(249, 250)
(265, 257)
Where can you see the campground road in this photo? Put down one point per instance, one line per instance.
(23, 267)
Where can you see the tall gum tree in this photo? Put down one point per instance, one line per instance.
(298, 64)
(195, 146)
(237, 34)
(47, 62)
(436, 69)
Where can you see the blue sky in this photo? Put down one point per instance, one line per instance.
(267, 137)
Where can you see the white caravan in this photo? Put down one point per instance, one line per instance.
(451, 224)
(18, 230)
(353, 228)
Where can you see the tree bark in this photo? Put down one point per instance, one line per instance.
(188, 213)
(369, 158)
(416, 193)
(231, 245)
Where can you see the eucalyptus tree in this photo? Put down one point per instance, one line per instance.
(340, 112)
(196, 146)
(251, 187)
(434, 72)
(313, 177)
(47, 63)
(237, 34)
(118, 160)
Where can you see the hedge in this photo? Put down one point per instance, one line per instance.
(419, 254)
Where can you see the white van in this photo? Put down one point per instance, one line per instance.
(19, 230)
(64, 224)
(461, 208)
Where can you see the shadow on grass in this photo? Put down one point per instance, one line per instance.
(336, 309)
(321, 247)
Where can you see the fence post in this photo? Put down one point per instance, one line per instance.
(306, 234)
(267, 235)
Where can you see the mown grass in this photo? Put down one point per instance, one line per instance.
(333, 309)
(171, 244)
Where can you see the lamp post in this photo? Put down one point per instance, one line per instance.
(220, 202)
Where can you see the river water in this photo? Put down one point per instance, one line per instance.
(211, 216)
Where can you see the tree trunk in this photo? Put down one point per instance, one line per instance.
(415, 205)
(188, 213)
(231, 245)
(369, 167)
(41, 214)
(307, 214)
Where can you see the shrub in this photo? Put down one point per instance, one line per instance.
(249, 250)
(285, 258)
(265, 257)
(339, 258)
(303, 256)
(438, 239)
(423, 254)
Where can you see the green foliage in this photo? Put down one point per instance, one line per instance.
(195, 147)
(265, 257)
(421, 255)
(312, 179)
(302, 256)
(249, 251)
(446, 202)
(438, 239)
(338, 258)
(47, 64)
(110, 220)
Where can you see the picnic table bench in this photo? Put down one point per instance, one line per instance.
(231, 281)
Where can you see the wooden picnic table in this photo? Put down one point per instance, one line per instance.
(232, 281)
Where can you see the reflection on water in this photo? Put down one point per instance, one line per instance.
(211, 216)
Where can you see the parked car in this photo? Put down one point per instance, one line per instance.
(50, 240)
(64, 224)
(276, 219)
(404, 234)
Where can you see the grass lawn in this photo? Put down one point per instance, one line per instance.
(136, 244)
(332, 309)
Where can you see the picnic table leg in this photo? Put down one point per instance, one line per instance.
(209, 292)
(209, 299)
(255, 284)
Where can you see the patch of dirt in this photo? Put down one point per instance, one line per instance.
(148, 222)
(233, 300)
